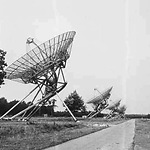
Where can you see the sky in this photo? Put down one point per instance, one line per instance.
(111, 46)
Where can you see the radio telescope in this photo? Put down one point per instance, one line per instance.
(42, 66)
(116, 110)
(100, 102)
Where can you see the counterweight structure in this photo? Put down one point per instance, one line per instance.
(42, 66)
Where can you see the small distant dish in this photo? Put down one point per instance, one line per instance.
(100, 102)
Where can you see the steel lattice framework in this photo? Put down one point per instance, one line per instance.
(42, 66)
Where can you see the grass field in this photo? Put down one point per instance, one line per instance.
(45, 132)
(142, 134)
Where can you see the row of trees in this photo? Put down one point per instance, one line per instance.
(73, 101)
(5, 106)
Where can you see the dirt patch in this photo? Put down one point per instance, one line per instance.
(142, 134)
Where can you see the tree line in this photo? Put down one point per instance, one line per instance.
(74, 102)
(5, 106)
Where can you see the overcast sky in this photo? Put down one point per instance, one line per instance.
(111, 46)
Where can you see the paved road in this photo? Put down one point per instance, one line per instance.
(118, 137)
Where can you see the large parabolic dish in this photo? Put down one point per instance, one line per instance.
(43, 66)
(36, 62)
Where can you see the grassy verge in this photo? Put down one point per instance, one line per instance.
(142, 134)
(44, 133)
